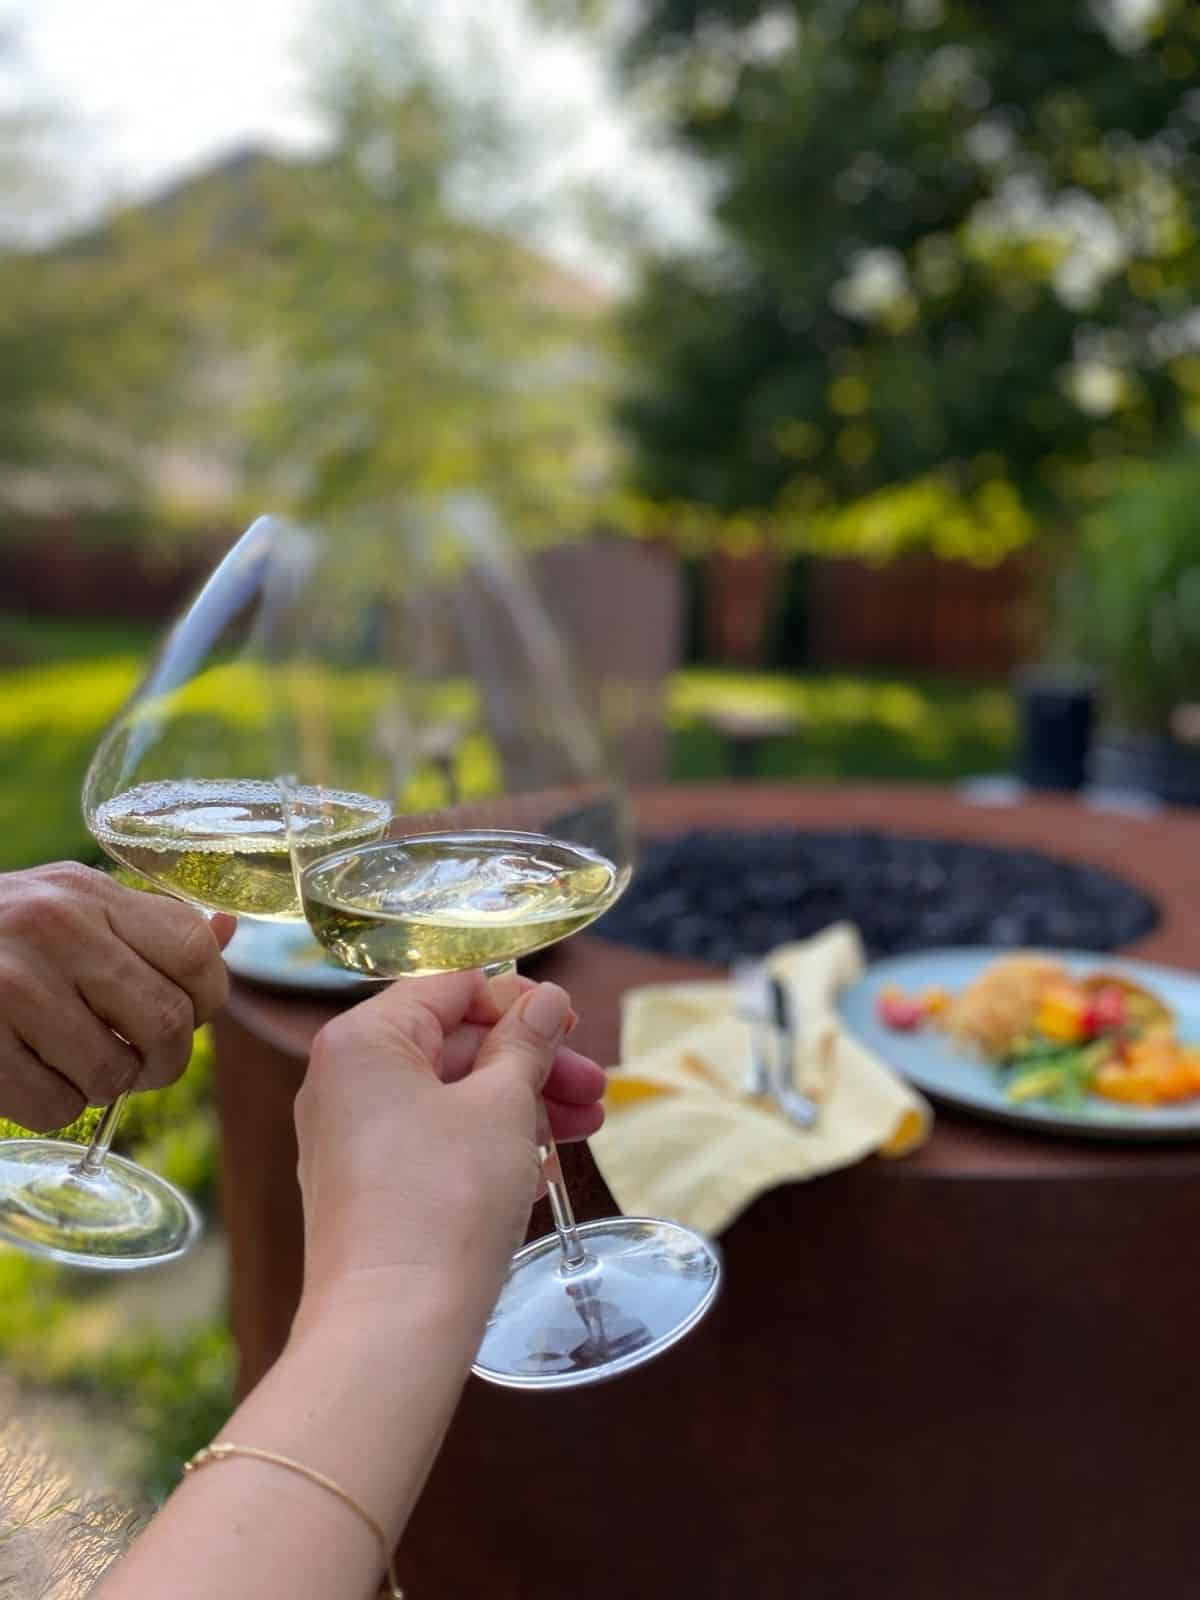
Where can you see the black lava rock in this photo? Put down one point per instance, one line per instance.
(719, 895)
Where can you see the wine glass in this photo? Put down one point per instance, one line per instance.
(418, 671)
(181, 793)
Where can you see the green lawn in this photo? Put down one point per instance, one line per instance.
(845, 726)
(60, 682)
(26, 641)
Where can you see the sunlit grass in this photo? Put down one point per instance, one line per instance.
(50, 719)
(842, 726)
(26, 641)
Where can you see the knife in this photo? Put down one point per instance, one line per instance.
(797, 1106)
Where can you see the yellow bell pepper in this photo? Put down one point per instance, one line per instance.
(935, 1001)
(1062, 1014)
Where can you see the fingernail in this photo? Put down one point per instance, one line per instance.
(546, 1010)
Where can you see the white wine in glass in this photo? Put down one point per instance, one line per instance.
(221, 843)
(510, 831)
(444, 902)
(181, 793)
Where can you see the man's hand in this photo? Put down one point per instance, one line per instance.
(101, 989)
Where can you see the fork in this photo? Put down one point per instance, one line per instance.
(799, 1107)
(761, 1002)
(752, 1004)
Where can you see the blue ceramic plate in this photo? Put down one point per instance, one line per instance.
(928, 1060)
(285, 955)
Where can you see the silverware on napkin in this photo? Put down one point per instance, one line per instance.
(795, 1105)
(762, 1003)
(751, 1003)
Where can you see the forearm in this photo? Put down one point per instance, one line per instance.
(364, 1399)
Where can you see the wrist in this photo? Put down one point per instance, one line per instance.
(368, 1311)
(357, 1405)
(365, 1389)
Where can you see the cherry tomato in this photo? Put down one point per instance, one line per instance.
(898, 1011)
(1106, 1012)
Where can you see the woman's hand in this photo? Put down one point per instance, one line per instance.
(575, 1088)
(417, 1125)
(418, 1161)
(101, 989)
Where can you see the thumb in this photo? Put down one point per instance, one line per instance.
(224, 927)
(527, 1036)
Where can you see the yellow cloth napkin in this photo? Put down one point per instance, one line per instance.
(682, 1139)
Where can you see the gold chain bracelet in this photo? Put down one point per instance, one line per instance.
(223, 1452)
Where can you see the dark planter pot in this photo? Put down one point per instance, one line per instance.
(1150, 762)
(1056, 711)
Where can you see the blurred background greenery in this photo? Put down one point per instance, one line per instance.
(897, 358)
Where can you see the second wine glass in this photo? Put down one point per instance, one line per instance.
(420, 672)
(181, 793)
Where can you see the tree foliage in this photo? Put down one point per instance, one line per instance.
(404, 346)
(98, 340)
(318, 333)
(958, 266)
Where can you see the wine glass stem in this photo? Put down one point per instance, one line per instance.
(106, 1128)
(574, 1256)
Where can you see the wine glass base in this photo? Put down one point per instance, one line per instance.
(116, 1219)
(645, 1285)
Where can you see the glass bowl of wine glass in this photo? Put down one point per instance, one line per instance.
(417, 671)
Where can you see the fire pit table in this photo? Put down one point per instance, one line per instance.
(971, 1372)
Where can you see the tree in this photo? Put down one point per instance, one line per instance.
(958, 264)
(95, 330)
(30, 359)
(315, 334)
(407, 345)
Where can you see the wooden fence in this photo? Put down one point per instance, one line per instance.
(915, 613)
(51, 569)
(921, 614)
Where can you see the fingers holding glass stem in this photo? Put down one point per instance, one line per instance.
(85, 1205)
(568, 1314)
(223, 928)
(574, 1256)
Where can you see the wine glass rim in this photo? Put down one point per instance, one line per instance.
(440, 835)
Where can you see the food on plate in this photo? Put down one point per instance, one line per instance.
(1055, 1035)
(903, 1011)
(900, 1011)
(1154, 1070)
(1002, 1002)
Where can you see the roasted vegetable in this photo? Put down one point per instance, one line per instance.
(898, 1010)
(1064, 1076)
(1108, 1010)
(1062, 1013)
(935, 1001)
(1142, 1008)
(1155, 1070)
